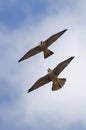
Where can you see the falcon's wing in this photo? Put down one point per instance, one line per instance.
(53, 38)
(40, 82)
(59, 68)
(31, 52)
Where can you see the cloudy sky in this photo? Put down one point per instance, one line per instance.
(23, 24)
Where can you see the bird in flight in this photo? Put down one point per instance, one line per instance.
(43, 47)
(52, 75)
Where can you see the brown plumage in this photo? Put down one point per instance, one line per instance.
(43, 47)
(52, 75)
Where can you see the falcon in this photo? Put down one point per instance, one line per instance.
(43, 47)
(52, 76)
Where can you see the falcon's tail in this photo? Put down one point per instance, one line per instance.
(47, 53)
(58, 84)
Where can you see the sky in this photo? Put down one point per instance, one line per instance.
(23, 24)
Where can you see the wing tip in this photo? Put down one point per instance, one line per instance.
(65, 30)
(19, 60)
(72, 57)
(28, 91)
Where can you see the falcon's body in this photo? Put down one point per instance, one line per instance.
(57, 82)
(52, 75)
(43, 47)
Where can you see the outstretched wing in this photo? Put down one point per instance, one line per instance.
(40, 82)
(31, 52)
(53, 38)
(59, 68)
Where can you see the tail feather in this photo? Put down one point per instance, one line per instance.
(57, 85)
(47, 53)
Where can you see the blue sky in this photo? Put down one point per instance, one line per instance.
(14, 14)
(23, 24)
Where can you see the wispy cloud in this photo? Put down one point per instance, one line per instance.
(44, 109)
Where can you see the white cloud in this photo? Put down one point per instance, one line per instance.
(65, 106)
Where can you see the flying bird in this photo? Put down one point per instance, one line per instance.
(43, 47)
(52, 75)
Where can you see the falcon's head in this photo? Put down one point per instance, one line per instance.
(49, 70)
(41, 43)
